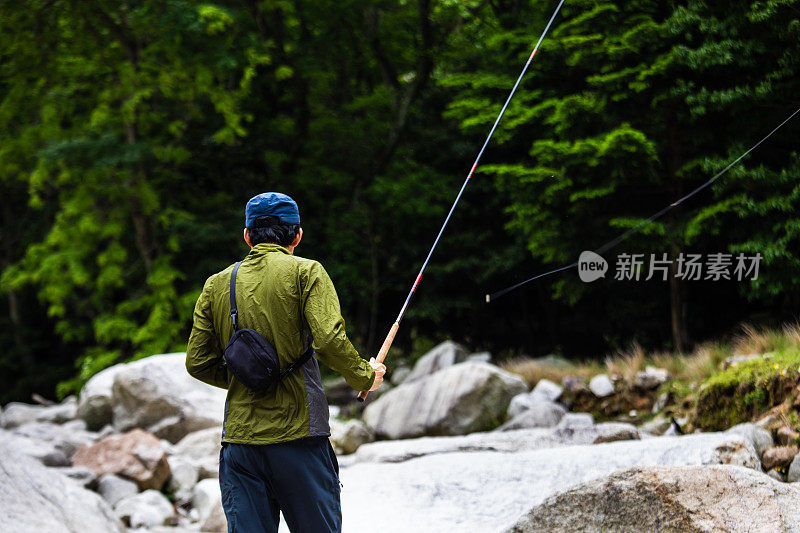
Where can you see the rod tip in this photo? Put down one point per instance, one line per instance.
(488, 298)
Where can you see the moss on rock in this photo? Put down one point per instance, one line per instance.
(746, 390)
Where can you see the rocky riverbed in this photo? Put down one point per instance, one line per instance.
(457, 444)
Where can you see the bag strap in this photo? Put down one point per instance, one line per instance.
(234, 311)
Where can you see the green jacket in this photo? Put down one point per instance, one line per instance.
(277, 294)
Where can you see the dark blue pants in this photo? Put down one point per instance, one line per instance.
(299, 478)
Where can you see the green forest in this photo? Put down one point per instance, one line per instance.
(132, 133)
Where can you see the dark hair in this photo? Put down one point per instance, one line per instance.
(270, 229)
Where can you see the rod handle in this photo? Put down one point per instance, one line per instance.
(387, 343)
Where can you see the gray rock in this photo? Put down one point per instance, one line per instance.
(519, 404)
(146, 509)
(688, 498)
(183, 476)
(217, 522)
(486, 490)
(615, 431)
(539, 415)
(460, 399)
(82, 475)
(760, 437)
(794, 471)
(576, 420)
(201, 449)
(601, 386)
(36, 498)
(442, 356)
(16, 414)
(777, 476)
(205, 496)
(547, 391)
(739, 359)
(573, 385)
(779, 456)
(96, 398)
(347, 436)
(506, 441)
(114, 488)
(787, 436)
(65, 437)
(657, 426)
(480, 357)
(651, 378)
(158, 395)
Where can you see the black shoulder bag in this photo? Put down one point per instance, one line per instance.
(250, 357)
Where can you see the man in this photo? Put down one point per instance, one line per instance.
(275, 451)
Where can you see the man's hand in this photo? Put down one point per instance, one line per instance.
(380, 370)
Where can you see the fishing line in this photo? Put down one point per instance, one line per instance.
(390, 337)
(610, 244)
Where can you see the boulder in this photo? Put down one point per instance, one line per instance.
(485, 490)
(201, 449)
(780, 456)
(794, 470)
(96, 399)
(114, 488)
(541, 414)
(158, 395)
(399, 375)
(615, 431)
(684, 498)
(760, 437)
(205, 496)
(444, 355)
(36, 498)
(601, 386)
(146, 509)
(460, 399)
(135, 455)
(576, 420)
(16, 414)
(651, 378)
(347, 436)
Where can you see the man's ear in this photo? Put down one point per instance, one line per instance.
(247, 237)
(297, 237)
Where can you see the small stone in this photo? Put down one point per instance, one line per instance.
(481, 357)
(573, 385)
(216, 521)
(760, 437)
(114, 488)
(601, 386)
(546, 390)
(615, 431)
(787, 436)
(205, 496)
(347, 436)
(660, 403)
(777, 476)
(779, 456)
(650, 378)
(147, 509)
(657, 426)
(540, 415)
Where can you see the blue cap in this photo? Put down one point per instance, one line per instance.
(271, 204)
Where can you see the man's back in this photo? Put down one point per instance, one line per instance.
(288, 300)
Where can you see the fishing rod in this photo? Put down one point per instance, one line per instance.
(387, 343)
(612, 243)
